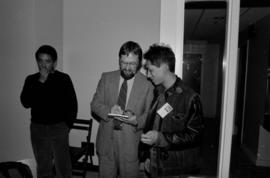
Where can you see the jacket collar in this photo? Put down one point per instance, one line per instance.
(177, 87)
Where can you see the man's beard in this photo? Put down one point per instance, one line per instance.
(127, 76)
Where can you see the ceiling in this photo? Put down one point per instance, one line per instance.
(207, 21)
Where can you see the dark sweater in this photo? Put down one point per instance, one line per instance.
(51, 102)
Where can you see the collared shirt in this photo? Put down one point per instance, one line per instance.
(129, 86)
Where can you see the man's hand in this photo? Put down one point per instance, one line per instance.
(132, 119)
(150, 137)
(43, 75)
(116, 110)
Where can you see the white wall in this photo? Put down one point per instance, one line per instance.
(93, 33)
(88, 40)
(49, 26)
(17, 44)
(24, 26)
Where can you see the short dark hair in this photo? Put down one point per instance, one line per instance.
(131, 47)
(159, 54)
(47, 49)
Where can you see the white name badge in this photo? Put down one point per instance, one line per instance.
(164, 110)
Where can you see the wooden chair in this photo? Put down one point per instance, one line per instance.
(81, 157)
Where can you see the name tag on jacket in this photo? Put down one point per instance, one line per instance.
(165, 110)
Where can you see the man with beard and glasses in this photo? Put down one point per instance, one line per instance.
(128, 93)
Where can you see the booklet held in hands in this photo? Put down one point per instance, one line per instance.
(117, 115)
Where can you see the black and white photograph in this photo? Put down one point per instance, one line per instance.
(135, 88)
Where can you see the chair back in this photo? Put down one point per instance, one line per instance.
(80, 155)
(82, 124)
(14, 169)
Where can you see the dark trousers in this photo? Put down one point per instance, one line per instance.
(50, 145)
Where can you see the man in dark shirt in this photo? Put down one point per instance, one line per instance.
(51, 96)
(174, 126)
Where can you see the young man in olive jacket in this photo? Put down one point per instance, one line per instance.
(174, 126)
